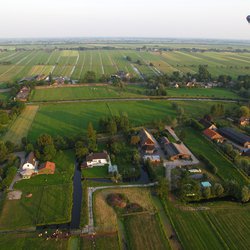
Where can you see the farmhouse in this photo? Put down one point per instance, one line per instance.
(96, 160)
(236, 137)
(176, 151)
(23, 94)
(207, 124)
(213, 135)
(30, 162)
(47, 168)
(147, 142)
(29, 167)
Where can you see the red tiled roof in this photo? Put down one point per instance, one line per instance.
(211, 133)
(50, 166)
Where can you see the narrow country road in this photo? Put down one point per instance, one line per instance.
(136, 99)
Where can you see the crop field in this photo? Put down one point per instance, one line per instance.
(72, 119)
(75, 64)
(21, 125)
(51, 199)
(223, 226)
(144, 232)
(200, 146)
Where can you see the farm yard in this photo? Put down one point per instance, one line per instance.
(15, 65)
(72, 119)
(51, 200)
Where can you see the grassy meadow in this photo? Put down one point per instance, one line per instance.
(72, 119)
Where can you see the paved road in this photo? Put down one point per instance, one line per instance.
(21, 155)
(90, 227)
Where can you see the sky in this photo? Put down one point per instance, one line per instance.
(220, 19)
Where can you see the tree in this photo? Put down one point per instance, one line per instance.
(135, 139)
(3, 151)
(182, 135)
(218, 189)
(81, 153)
(112, 127)
(128, 58)
(206, 192)
(203, 74)
(4, 117)
(90, 77)
(245, 194)
(162, 188)
(174, 123)
(44, 140)
(10, 146)
(49, 152)
(244, 111)
(91, 137)
(29, 148)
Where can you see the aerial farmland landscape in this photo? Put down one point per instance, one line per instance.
(125, 125)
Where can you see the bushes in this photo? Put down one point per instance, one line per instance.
(210, 165)
(195, 124)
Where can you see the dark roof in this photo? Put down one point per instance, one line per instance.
(235, 136)
(148, 147)
(31, 158)
(176, 149)
(146, 137)
(246, 153)
(164, 140)
(96, 156)
(205, 123)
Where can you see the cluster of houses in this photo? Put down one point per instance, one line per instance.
(121, 75)
(194, 84)
(173, 151)
(99, 160)
(31, 167)
(236, 138)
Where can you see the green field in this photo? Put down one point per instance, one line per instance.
(86, 92)
(72, 119)
(223, 226)
(4, 96)
(130, 91)
(75, 64)
(201, 146)
(51, 199)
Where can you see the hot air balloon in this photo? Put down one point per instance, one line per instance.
(248, 19)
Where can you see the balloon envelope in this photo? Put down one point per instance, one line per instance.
(248, 18)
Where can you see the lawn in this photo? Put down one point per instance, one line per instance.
(201, 146)
(21, 125)
(144, 232)
(96, 172)
(51, 200)
(223, 226)
(4, 96)
(72, 119)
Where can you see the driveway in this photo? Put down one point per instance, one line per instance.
(21, 156)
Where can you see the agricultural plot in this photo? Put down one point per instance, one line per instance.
(72, 119)
(223, 226)
(21, 125)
